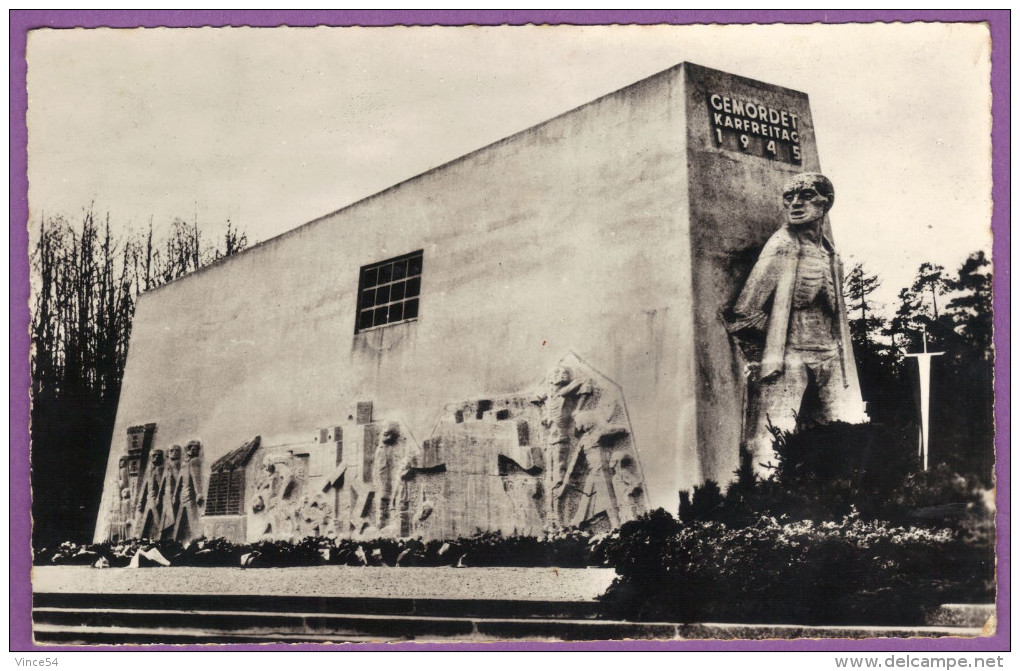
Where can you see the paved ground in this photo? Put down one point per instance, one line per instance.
(526, 584)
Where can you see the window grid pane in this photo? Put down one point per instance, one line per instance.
(388, 292)
(399, 270)
(216, 497)
(414, 265)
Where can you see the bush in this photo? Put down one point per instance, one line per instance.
(826, 472)
(845, 530)
(846, 572)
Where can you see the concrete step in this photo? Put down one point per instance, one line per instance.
(148, 618)
(149, 626)
(100, 625)
(963, 615)
(374, 627)
(72, 635)
(429, 607)
(266, 625)
(759, 632)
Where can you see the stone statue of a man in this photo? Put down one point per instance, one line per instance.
(190, 493)
(792, 308)
(562, 395)
(150, 499)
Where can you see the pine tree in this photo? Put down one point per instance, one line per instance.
(864, 320)
(903, 328)
(971, 309)
(931, 283)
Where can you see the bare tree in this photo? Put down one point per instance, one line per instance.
(85, 280)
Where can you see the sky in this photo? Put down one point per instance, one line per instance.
(274, 127)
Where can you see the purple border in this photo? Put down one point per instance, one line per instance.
(21, 21)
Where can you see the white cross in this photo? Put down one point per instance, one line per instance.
(924, 373)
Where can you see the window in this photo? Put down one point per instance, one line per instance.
(388, 292)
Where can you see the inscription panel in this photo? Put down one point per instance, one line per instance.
(752, 128)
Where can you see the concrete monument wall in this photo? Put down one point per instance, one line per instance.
(616, 231)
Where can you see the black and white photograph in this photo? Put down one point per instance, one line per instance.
(512, 334)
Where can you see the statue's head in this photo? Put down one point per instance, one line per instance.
(157, 457)
(193, 449)
(621, 459)
(560, 376)
(391, 434)
(807, 197)
(175, 453)
(123, 462)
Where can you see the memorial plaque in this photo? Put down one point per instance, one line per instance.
(753, 128)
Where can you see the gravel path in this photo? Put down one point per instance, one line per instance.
(526, 584)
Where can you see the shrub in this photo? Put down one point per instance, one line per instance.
(849, 571)
(826, 472)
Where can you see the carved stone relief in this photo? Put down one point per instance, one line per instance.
(561, 457)
(165, 500)
(370, 483)
(527, 463)
(131, 469)
(595, 478)
(283, 505)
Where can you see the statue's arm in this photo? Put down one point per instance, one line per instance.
(196, 482)
(748, 320)
(749, 312)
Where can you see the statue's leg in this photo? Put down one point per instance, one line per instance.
(383, 515)
(834, 402)
(149, 526)
(779, 403)
(181, 530)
